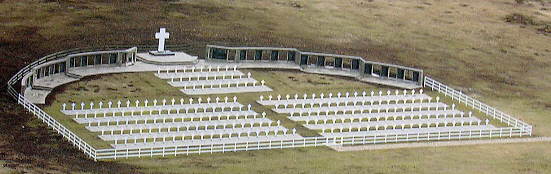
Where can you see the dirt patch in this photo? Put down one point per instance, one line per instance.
(517, 18)
(545, 28)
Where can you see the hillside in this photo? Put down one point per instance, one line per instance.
(498, 51)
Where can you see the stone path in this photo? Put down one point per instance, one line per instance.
(440, 144)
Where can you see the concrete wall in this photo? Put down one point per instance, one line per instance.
(411, 75)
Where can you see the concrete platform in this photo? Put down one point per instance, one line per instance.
(179, 58)
(54, 80)
(36, 96)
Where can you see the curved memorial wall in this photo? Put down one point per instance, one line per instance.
(333, 64)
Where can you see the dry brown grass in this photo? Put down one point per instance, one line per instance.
(464, 43)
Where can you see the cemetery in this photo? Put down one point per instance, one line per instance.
(227, 102)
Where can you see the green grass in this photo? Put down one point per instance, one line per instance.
(513, 158)
(141, 86)
(309, 160)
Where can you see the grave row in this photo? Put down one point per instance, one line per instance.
(406, 132)
(145, 118)
(145, 103)
(200, 75)
(208, 142)
(322, 99)
(401, 124)
(191, 134)
(214, 83)
(194, 69)
(176, 125)
(378, 116)
(208, 79)
(227, 89)
(195, 106)
(362, 108)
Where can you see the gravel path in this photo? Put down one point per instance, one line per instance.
(439, 144)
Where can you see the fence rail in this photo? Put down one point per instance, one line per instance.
(54, 124)
(469, 101)
(518, 127)
(308, 142)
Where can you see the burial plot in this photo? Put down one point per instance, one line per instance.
(201, 81)
(373, 113)
(159, 123)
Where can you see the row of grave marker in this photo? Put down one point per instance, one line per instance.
(470, 123)
(215, 77)
(146, 102)
(339, 94)
(187, 111)
(192, 69)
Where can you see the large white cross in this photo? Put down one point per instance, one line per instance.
(162, 35)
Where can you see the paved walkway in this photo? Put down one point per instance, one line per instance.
(440, 144)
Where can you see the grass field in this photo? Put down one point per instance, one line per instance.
(464, 43)
(141, 86)
(313, 160)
